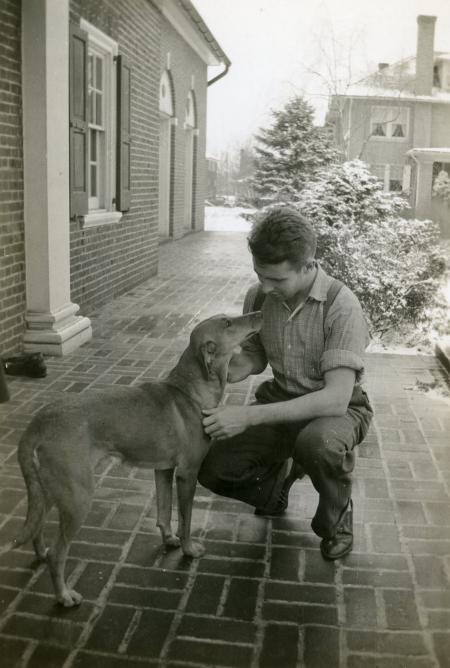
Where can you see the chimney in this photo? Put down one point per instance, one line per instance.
(425, 54)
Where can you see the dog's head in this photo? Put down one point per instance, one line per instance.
(214, 340)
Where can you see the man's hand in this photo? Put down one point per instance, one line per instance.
(226, 421)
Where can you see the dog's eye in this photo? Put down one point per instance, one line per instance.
(228, 323)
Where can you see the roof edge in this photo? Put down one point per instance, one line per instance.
(205, 31)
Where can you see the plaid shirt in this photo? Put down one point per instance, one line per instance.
(299, 346)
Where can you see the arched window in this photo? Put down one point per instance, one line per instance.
(190, 120)
(165, 95)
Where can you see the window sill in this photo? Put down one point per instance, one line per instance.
(101, 218)
(393, 139)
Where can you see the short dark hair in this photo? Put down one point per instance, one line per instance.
(282, 233)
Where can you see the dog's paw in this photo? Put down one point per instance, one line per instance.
(194, 550)
(172, 541)
(69, 598)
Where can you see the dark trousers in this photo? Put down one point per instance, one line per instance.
(252, 466)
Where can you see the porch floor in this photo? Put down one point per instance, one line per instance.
(262, 596)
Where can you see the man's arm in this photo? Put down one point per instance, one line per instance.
(332, 400)
(244, 363)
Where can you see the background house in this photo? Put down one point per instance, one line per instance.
(102, 152)
(398, 121)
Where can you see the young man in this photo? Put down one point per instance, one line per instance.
(313, 410)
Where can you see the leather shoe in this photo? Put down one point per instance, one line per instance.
(342, 542)
(25, 364)
(279, 508)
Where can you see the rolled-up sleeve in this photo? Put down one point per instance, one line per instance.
(347, 335)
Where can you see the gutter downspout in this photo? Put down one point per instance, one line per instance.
(219, 76)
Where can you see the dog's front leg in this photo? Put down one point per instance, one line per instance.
(164, 482)
(186, 489)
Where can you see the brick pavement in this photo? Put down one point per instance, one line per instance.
(262, 596)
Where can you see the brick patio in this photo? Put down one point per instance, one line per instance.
(262, 596)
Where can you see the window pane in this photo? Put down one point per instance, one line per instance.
(395, 185)
(93, 146)
(91, 107)
(93, 181)
(379, 129)
(90, 70)
(98, 109)
(397, 130)
(99, 73)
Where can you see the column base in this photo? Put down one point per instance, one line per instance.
(57, 333)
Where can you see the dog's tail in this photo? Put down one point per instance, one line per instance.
(29, 465)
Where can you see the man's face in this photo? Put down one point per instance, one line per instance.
(283, 279)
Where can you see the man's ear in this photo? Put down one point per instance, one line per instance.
(207, 356)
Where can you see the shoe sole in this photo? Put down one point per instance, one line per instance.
(337, 556)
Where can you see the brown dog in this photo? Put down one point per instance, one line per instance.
(155, 425)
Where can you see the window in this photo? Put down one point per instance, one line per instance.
(395, 178)
(97, 131)
(389, 123)
(441, 77)
(102, 124)
(99, 127)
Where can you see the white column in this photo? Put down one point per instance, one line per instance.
(52, 324)
(423, 189)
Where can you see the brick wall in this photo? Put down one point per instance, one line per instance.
(184, 63)
(108, 260)
(12, 255)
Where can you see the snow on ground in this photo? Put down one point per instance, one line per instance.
(229, 219)
(226, 219)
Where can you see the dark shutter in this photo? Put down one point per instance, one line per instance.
(123, 185)
(78, 121)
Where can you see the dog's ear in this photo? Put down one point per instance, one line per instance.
(207, 355)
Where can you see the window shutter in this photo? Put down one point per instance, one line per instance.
(78, 121)
(123, 185)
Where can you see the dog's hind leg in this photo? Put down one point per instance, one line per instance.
(71, 517)
(38, 541)
(164, 483)
(186, 484)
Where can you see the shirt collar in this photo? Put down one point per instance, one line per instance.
(319, 288)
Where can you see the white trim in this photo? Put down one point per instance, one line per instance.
(178, 18)
(97, 218)
(99, 38)
(396, 98)
(429, 154)
(105, 46)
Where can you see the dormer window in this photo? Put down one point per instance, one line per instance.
(436, 77)
(441, 78)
